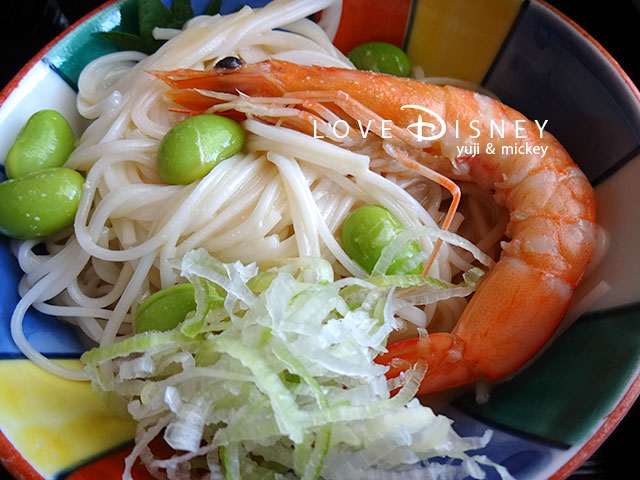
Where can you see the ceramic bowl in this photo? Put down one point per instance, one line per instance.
(547, 420)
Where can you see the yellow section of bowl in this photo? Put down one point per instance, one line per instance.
(55, 423)
(459, 39)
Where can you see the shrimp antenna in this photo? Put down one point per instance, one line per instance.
(441, 180)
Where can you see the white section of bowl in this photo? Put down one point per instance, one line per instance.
(618, 200)
(41, 88)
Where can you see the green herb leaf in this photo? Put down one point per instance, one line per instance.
(152, 14)
(214, 7)
(181, 11)
(126, 41)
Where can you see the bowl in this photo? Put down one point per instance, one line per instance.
(548, 419)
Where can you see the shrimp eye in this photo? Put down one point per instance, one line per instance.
(229, 63)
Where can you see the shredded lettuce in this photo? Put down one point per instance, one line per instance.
(389, 251)
(275, 379)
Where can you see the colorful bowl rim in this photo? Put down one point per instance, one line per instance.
(18, 465)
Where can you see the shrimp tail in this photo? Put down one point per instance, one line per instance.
(490, 341)
(446, 366)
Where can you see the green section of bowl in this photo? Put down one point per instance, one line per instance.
(83, 44)
(567, 392)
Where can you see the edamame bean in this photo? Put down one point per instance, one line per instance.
(381, 57)
(45, 141)
(194, 146)
(367, 230)
(40, 203)
(165, 309)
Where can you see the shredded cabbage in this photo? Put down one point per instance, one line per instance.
(276, 380)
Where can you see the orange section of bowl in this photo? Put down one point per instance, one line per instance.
(111, 466)
(468, 36)
(372, 20)
(15, 463)
(55, 423)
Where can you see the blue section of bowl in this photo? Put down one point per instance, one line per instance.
(47, 334)
(550, 71)
(525, 458)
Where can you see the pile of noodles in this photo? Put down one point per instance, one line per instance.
(285, 195)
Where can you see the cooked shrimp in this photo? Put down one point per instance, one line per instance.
(520, 302)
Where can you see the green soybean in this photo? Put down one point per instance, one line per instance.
(194, 146)
(165, 309)
(45, 141)
(40, 203)
(367, 230)
(381, 57)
